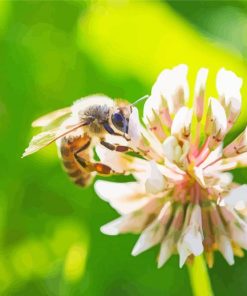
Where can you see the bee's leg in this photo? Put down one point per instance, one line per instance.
(92, 167)
(108, 128)
(115, 147)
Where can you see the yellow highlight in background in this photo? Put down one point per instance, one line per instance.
(75, 262)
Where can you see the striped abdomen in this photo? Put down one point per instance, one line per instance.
(79, 174)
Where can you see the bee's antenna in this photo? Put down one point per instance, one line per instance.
(139, 100)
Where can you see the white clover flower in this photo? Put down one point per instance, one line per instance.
(183, 198)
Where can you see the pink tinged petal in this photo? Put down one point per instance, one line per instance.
(224, 243)
(200, 92)
(155, 182)
(238, 146)
(141, 139)
(165, 116)
(219, 166)
(237, 226)
(181, 123)
(212, 157)
(236, 196)
(165, 213)
(181, 247)
(168, 244)
(166, 250)
(239, 234)
(150, 237)
(124, 197)
(240, 160)
(228, 85)
(157, 119)
(216, 123)
(225, 248)
(156, 116)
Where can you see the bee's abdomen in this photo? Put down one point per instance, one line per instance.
(79, 174)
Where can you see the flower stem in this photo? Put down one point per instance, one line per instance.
(199, 278)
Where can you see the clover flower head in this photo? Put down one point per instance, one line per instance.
(183, 197)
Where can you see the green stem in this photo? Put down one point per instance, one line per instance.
(199, 278)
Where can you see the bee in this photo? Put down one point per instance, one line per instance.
(78, 129)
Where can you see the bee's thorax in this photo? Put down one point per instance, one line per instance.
(95, 115)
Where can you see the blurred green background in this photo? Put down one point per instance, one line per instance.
(53, 52)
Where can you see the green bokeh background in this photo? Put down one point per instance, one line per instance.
(53, 52)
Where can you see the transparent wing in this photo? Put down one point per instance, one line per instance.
(53, 117)
(47, 137)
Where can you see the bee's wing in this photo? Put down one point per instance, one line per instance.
(47, 137)
(52, 117)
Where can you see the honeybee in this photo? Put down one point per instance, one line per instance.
(77, 129)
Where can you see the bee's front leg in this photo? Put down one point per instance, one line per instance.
(89, 166)
(115, 147)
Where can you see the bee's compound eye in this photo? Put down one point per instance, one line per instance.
(119, 121)
(118, 118)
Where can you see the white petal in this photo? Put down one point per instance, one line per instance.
(153, 103)
(150, 237)
(181, 123)
(199, 175)
(193, 240)
(134, 130)
(155, 183)
(172, 85)
(132, 223)
(183, 253)
(236, 195)
(169, 146)
(113, 227)
(124, 197)
(226, 249)
(228, 85)
(226, 81)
